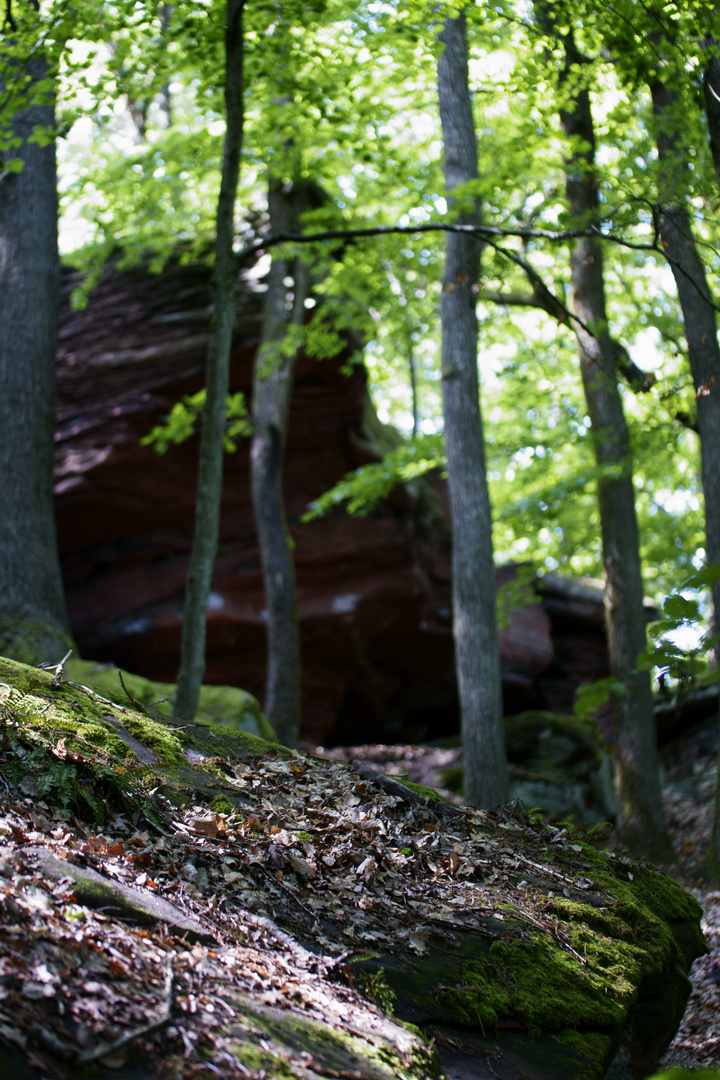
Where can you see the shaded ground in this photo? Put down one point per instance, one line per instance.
(689, 798)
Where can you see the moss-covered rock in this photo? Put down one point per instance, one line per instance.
(593, 973)
(222, 708)
(558, 764)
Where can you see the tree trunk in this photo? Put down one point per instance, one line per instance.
(209, 491)
(33, 622)
(711, 83)
(673, 221)
(641, 816)
(272, 387)
(477, 657)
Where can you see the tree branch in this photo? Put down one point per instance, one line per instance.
(482, 232)
(543, 298)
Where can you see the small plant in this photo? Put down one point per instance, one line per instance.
(375, 986)
(688, 668)
(182, 419)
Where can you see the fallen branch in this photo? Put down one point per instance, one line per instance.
(394, 787)
(302, 956)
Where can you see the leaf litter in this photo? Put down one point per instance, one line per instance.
(314, 849)
(690, 777)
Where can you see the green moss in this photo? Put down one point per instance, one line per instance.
(222, 805)
(263, 1061)
(662, 894)
(335, 1050)
(589, 966)
(541, 985)
(589, 1051)
(57, 713)
(225, 709)
(420, 789)
(593, 854)
(166, 743)
(678, 1073)
(79, 759)
(479, 1001)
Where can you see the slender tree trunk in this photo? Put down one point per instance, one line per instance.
(33, 622)
(209, 491)
(673, 221)
(711, 83)
(272, 388)
(641, 815)
(413, 388)
(477, 656)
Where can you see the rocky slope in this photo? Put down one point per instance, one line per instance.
(188, 901)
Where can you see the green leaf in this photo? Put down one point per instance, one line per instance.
(678, 608)
(705, 578)
(592, 696)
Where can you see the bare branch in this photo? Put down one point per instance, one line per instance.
(482, 232)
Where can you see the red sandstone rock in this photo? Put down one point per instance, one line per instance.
(374, 592)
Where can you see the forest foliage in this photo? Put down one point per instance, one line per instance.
(362, 124)
(340, 101)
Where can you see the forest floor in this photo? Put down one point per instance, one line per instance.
(690, 765)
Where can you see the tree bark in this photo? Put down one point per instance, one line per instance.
(272, 388)
(209, 490)
(641, 816)
(33, 621)
(711, 84)
(477, 657)
(675, 226)
(674, 223)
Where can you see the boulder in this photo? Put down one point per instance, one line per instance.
(230, 906)
(373, 592)
(561, 765)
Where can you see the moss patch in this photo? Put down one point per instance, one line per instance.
(82, 753)
(369, 1055)
(224, 709)
(588, 1050)
(421, 789)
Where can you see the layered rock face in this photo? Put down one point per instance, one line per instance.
(374, 592)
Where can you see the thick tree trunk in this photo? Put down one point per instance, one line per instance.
(641, 816)
(477, 657)
(33, 622)
(209, 491)
(673, 221)
(272, 387)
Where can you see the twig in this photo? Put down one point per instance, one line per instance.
(57, 668)
(152, 713)
(99, 697)
(129, 1037)
(50, 1041)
